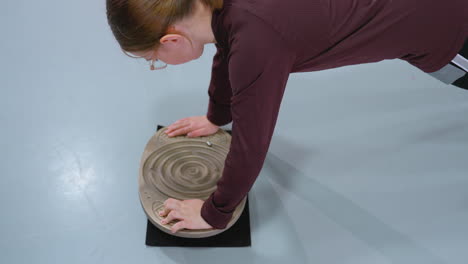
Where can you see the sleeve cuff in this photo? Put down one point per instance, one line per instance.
(219, 115)
(213, 216)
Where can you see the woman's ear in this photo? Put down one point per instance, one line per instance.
(174, 38)
(175, 43)
(175, 49)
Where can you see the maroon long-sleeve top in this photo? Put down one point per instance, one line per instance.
(260, 42)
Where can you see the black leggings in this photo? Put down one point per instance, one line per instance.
(462, 82)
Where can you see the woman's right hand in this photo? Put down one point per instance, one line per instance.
(194, 126)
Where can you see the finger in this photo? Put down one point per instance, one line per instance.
(181, 121)
(176, 125)
(178, 226)
(172, 204)
(197, 133)
(164, 212)
(169, 205)
(180, 131)
(173, 215)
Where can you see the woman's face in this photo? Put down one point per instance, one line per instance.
(174, 49)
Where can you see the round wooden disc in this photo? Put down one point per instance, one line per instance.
(182, 168)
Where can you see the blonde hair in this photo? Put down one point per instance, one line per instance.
(138, 25)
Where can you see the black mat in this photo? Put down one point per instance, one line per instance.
(236, 236)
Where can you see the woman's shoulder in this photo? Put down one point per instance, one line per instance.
(293, 21)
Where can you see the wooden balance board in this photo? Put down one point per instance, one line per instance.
(182, 168)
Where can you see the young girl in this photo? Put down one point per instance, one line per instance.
(259, 43)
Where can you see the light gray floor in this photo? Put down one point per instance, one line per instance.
(368, 163)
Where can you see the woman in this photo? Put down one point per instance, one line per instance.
(259, 43)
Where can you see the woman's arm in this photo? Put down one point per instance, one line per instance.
(259, 67)
(219, 91)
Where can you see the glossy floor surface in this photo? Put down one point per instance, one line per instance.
(368, 163)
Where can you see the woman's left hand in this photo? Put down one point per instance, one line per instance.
(188, 212)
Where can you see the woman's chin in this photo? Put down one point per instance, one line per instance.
(177, 61)
(182, 61)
